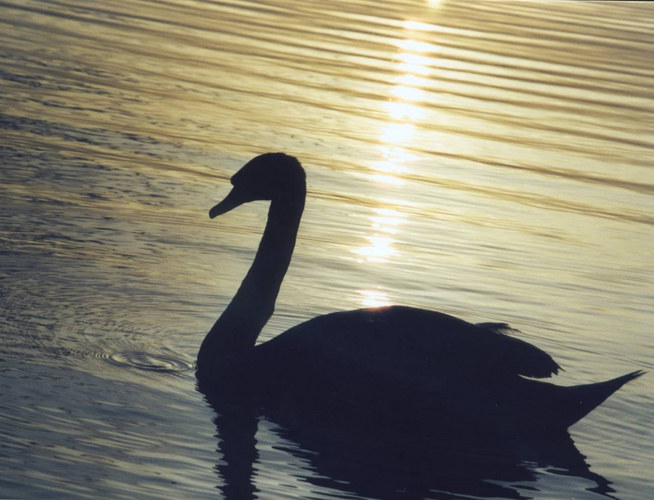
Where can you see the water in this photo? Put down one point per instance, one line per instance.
(489, 160)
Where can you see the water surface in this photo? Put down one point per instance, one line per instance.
(489, 160)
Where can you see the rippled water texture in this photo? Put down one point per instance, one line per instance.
(491, 160)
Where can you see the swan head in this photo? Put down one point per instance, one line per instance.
(270, 176)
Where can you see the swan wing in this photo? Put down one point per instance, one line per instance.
(411, 343)
(517, 356)
(481, 350)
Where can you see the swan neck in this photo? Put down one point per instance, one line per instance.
(263, 281)
(241, 323)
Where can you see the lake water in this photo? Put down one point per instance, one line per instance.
(493, 160)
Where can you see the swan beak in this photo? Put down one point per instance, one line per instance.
(233, 200)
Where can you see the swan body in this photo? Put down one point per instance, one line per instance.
(393, 365)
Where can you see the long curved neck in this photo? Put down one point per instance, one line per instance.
(239, 325)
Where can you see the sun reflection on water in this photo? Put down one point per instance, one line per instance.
(387, 220)
(379, 249)
(385, 223)
(396, 133)
(404, 110)
(415, 64)
(374, 298)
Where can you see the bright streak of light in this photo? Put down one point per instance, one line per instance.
(407, 93)
(387, 179)
(374, 298)
(403, 110)
(417, 26)
(397, 133)
(378, 251)
(415, 46)
(388, 167)
(414, 60)
(397, 154)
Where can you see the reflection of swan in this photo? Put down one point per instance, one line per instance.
(380, 467)
(353, 463)
(392, 366)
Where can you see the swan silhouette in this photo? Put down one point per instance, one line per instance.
(389, 366)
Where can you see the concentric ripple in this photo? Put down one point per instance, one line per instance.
(149, 361)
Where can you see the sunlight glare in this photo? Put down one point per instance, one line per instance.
(390, 167)
(379, 249)
(374, 298)
(414, 46)
(387, 179)
(397, 133)
(403, 110)
(407, 93)
(414, 61)
(416, 26)
(397, 155)
(387, 220)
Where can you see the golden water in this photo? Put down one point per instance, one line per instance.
(492, 160)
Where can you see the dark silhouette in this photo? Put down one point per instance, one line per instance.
(396, 376)
(396, 464)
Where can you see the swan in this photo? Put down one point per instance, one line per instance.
(393, 365)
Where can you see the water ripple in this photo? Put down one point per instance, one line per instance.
(148, 361)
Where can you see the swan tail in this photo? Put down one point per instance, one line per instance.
(582, 399)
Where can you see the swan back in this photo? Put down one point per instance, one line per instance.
(410, 342)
